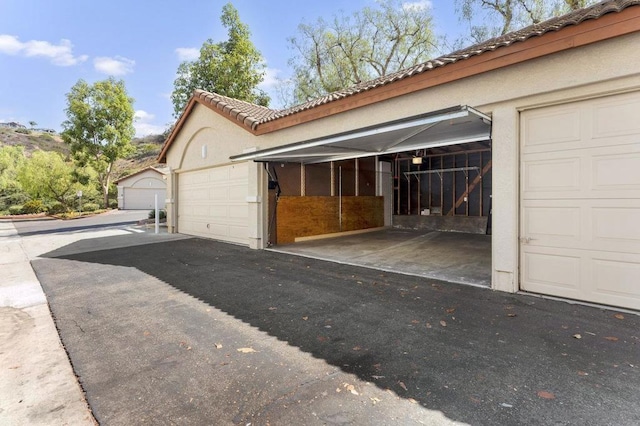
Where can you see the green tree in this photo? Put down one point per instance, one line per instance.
(32, 124)
(231, 68)
(373, 42)
(47, 176)
(99, 127)
(492, 18)
(12, 158)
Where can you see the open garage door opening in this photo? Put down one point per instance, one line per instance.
(423, 210)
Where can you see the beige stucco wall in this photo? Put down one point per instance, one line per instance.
(595, 70)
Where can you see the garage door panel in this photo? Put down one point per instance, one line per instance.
(616, 117)
(565, 119)
(143, 198)
(553, 222)
(617, 226)
(616, 278)
(551, 174)
(580, 201)
(219, 193)
(552, 268)
(616, 171)
(211, 204)
(240, 212)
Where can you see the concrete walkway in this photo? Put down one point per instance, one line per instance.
(37, 385)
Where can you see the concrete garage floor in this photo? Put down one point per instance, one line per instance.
(447, 256)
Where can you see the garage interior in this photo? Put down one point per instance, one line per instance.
(424, 211)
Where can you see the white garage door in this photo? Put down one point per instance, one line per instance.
(212, 203)
(580, 200)
(143, 198)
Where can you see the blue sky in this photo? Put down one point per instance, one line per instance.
(47, 46)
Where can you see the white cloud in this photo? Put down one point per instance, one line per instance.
(270, 78)
(60, 54)
(143, 123)
(417, 5)
(188, 53)
(114, 66)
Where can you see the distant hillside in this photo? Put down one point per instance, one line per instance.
(145, 155)
(32, 140)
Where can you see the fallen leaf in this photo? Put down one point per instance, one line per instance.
(451, 310)
(356, 348)
(246, 350)
(546, 395)
(512, 315)
(218, 345)
(415, 322)
(273, 308)
(413, 401)
(375, 400)
(582, 373)
(577, 336)
(350, 388)
(474, 400)
(146, 332)
(619, 316)
(305, 318)
(403, 386)
(611, 338)
(428, 325)
(443, 323)
(14, 367)
(322, 339)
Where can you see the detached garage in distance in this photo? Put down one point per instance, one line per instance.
(532, 138)
(138, 191)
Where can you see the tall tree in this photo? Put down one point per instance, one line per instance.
(99, 127)
(373, 42)
(492, 18)
(231, 68)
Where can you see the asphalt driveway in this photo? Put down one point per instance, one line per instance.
(195, 331)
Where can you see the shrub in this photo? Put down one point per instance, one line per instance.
(113, 204)
(162, 214)
(33, 206)
(57, 208)
(13, 210)
(90, 207)
(23, 131)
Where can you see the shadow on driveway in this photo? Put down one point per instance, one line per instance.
(478, 356)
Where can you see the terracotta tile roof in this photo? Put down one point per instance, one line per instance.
(245, 112)
(252, 115)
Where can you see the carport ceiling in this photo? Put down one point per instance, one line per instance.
(457, 125)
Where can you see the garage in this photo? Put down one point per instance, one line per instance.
(213, 203)
(529, 140)
(580, 198)
(138, 191)
(427, 172)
